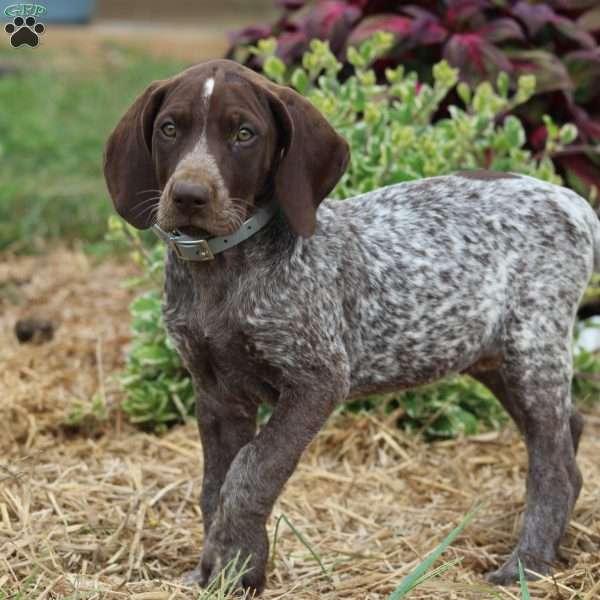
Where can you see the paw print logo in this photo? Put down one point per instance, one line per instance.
(24, 31)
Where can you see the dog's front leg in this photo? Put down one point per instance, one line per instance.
(224, 429)
(257, 476)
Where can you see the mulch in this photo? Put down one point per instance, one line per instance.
(104, 510)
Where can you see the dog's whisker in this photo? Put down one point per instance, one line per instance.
(243, 201)
(147, 209)
(144, 206)
(149, 190)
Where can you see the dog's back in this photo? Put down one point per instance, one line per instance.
(434, 269)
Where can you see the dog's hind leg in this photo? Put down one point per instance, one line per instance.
(536, 376)
(495, 383)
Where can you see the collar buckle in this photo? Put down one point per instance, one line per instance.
(198, 250)
(204, 251)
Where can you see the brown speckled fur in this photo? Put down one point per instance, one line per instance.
(475, 272)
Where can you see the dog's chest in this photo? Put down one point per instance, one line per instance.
(198, 349)
(216, 352)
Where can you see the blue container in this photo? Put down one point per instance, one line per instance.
(50, 11)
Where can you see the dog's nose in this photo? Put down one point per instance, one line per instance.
(188, 197)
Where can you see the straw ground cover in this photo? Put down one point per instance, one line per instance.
(107, 511)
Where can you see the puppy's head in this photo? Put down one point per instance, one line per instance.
(197, 151)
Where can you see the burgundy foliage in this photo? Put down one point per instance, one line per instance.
(556, 40)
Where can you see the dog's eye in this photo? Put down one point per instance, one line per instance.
(244, 135)
(169, 130)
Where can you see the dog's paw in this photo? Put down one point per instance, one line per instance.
(192, 577)
(240, 554)
(505, 575)
(508, 573)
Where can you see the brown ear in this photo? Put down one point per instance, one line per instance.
(314, 158)
(128, 168)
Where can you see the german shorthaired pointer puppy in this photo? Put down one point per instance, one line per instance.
(275, 295)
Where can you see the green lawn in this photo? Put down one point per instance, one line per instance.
(55, 115)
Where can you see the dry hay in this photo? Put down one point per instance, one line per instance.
(88, 304)
(113, 512)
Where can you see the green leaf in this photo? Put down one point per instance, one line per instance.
(367, 51)
(444, 75)
(464, 92)
(523, 582)
(515, 134)
(265, 47)
(146, 304)
(567, 134)
(355, 58)
(300, 81)
(301, 539)
(413, 579)
(549, 72)
(274, 68)
(503, 84)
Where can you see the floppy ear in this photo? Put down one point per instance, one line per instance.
(128, 167)
(314, 158)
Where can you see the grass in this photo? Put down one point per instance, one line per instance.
(523, 583)
(301, 539)
(57, 111)
(422, 573)
(224, 585)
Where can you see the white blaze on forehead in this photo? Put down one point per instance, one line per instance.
(199, 164)
(209, 86)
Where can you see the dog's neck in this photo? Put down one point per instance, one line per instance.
(215, 278)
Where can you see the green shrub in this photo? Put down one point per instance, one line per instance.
(586, 373)
(158, 390)
(393, 139)
(390, 129)
(439, 410)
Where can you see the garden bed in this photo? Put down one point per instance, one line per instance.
(104, 510)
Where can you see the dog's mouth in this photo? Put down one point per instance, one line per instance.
(200, 226)
(195, 231)
(192, 231)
